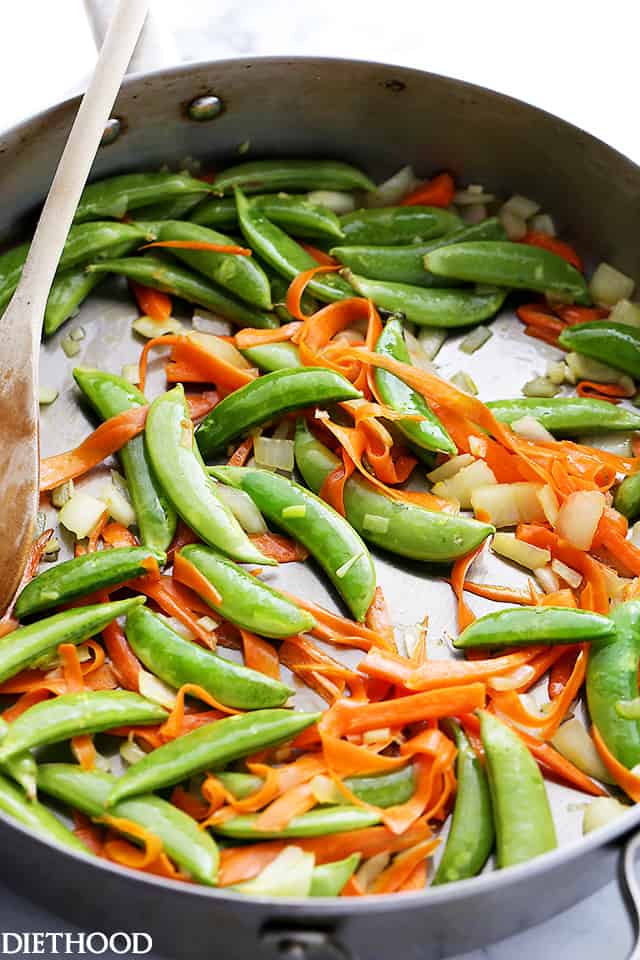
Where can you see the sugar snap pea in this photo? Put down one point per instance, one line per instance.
(274, 356)
(260, 176)
(332, 541)
(398, 225)
(25, 645)
(209, 747)
(267, 397)
(282, 253)
(430, 307)
(404, 263)
(513, 265)
(22, 768)
(395, 525)
(243, 277)
(246, 600)
(177, 464)
(328, 879)
(116, 196)
(567, 415)
(429, 433)
(472, 834)
(109, 395)
(192, 849)
(627, 496)
(295, 214)
(175, 208)
(319, 822)
(178, 661)
(612, 676)
(616, 344)
(162, 274)
(36, 817)
(71, 714)
(83, 575)
(527, 626)
(523, 821)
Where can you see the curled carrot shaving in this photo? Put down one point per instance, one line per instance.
(82, 745)
(538, 536)
(573, 314)
(395, 877)
(611, 392)
(297, 288)
(200, 245)
(260, 655)
(250, 337)
(298, 652)
(125, 853)
(208, 367)
(88, 833)
(533, 315)
(177, 601)
(540, 333)
(185, 572)
(437, 192)
(172, 726)
(416, 880)
(559, 598)
(280, 548)
(626, 779)
(561, 671)
(116, 535)
(242, 453)
(378, 619)
(280, 812)
(28, 699)
(337, 629)
(459, 571)
(324, 259)
(332, 489)
(535, 238)
(152, 303)
(125, 663)
(503, 594)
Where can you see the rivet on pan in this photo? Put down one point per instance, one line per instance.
(112, 131)
(205, 108)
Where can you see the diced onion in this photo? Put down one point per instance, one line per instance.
(343, 570)
(531, 429)
(131, 372)
(543, 223)
(289, 875)
(450, 468)
(508, 504)
(371, 869)
(514, 226)
(295, 512)
(47, 396)
(243, 508)
(616, 585)
(474, 213)
(463, 381)
(131, 752)
(149, 328)
(389, 193)
(207, 623)
(221, 349)
(118, 506)
(547, 579)
(325, 790)
(521, 206)
(70, 346)
(601, 812)
(274, 454)
(574, 743)
(635, 534)
(626, 312)
(177, 626)
(579, 517)
(584, 368)
(608, 285)
(540, 387)
(156, 690)
(51, 550)
(507, 545)
(478, 447)
(336, 200)
(556, 371)
(375, 524)
(470, 196)
(514, 679)
(81, 513)
(62, 493)
(418, 356)
(431, 339)
(570, 576)
(204, 321)
(461, 486)
(549, 503)
(77, 334)
(476, 339)
(375, 736)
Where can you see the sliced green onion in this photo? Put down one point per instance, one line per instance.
(294, 512)
(431, 339)
(629, 709)
(344, 569)
(464, 382)
(47, 395)
(375, 524)
(476, 339)
(70, 347)
(62, 493)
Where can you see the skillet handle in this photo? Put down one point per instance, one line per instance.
(292, 943)
(156, 47)
(630, 878)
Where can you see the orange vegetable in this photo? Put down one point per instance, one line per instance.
(280, 548)
(297, 288)
(337, 629)
(611, 392)
(459, 571)
(204, 366)
(320, 256)
(437, 192)
(626, 779)
(260, 655)
(171, 727)
(152, 303)
(200, 245)
(394, 877)
(535, 238)
(250, 337)
(185, 572)
(242, 453)
(378, 618)
(81, 745)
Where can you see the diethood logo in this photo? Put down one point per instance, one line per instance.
(74, 944)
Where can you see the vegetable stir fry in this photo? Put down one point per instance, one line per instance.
(153, 680)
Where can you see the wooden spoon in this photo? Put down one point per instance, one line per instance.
(22, 321)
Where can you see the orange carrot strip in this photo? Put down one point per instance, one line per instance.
(116, 535)
(535, 238)
(434, 674)
(332, 625)
(250, 337)
(437, 192)
(417, 879)
(185, 572)
(242, 453)
(173, 724)
(188, 803)
(626, 552)
(626, 779)
(31, 567)
(260, 655)
(545, 335)
(320, 256)
(81, 745)
(174, 600)
(561, 672)
(590, 569)
(88, 833)
(533, 316)
(297, 288)
(125, 853)
(280, 812)
(573, 314)
(280, 548)
(378, 619)
(396, 876)
(125, 663)
(459, 572)
(211, 368)
(152, 303)
(501, 594)
(200, 245)
(346, 759)
(559, 598)
(611, 392)
(110, 437)
(297, 651)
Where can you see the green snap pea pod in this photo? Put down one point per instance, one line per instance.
(110, 395)
(429, 433)
(181, 282)
(612, 675)
(316, 823)
(296, 215)
(472, 834)
(178, 661)
(261, 176)
(332, 541)
(72, 714)
(241, 785)
(528, 626)
(177, 465)
(404, 263)
(22, 768)
(246, 600)
(243, 277)
(400, 527)
(616, 344)
(36, 817)
(192, 849)
(25, 645)
(567, 415)
(328, 879)
(275, 356)
(517, 266)
(266, 397)
(83, 575)
(281, 252)
(522, 816)
(116, 196)
(627, 497)
(398, 225)
(428, 306)
(175, 208)
(210, 747)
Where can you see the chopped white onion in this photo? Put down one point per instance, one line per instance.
(62, 493)
(540, 387)
(131, 752)
(478, 447)
(514, 679)
(574, 743)
(177, 626)
(221, 349)
(608, 285)
(579, 517)
(431, 339)
(556, 371)
(476, 339)
(274, 454)
(149, 328)
(336, 200)
(47, 396)
(549, 503)
(514, 226)
(568, 574)
(507, 545)
(547, 579)
(543, 223)
(471, 195)
(417, 353)
(389, 193)
(474, 213)
(601, 812)
(70, 346)
(131, 372)
(118, 505)
(521, 206)
(531, 429)
(207, 623)
(371, 869)
(508, 504)
(204, 321)
(243, 508)
(619, 442)
(450, 468)
(81, 513)
(626, 312)
(461, 486)
(77, 334)
(375, 736)
(325, 790)
(584, 368)
(464, 382)
(156, 690)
